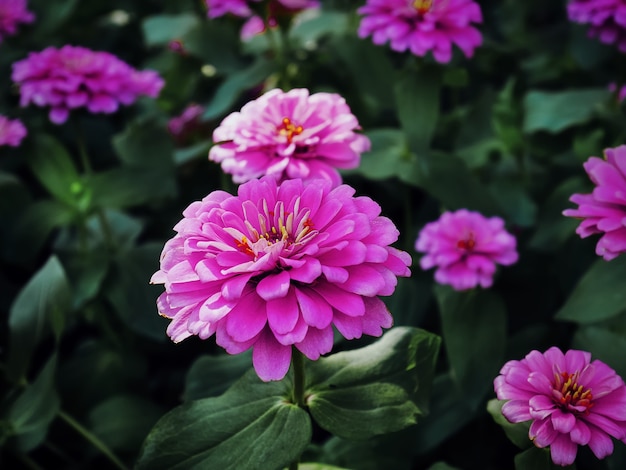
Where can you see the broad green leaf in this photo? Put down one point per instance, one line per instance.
(124, 187)
(86, 272)
(555, 111)
(383, 161)
(516, 203)
(516, 432)
(217, 44)
(603, 344)
(417, 102)
(537, 459)
(145, 144)
(34, 410)
(51, 16)
(251, 426)
(381, 388)
(54, 168)
(234, 85)
(161, 29)
(123, 421)
(196, 151)
(474, 335)
(47, 292)
(210, 376)
(599, 295)
(327, 23)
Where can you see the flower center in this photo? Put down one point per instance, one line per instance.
(289, 129)
(468, 243)
(568, 394)
(423, 6)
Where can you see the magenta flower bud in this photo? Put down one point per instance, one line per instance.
(11, 132)
(12, 13)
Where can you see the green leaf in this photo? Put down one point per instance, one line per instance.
(318, 466)
(54, 168)
(123, 421)
(196, 151)
(374, 390)
(46, 292)
(210, 376)
(33, 411)
(537, 459)
(517, 205)
(251, 426)
(327, 23)
(417, 102)
(599, 295)
(556, 111)
(145, 143)
(516, 432)
(474, 334)
(217, 44)
(383, 161)
(228, 92)
(603, 344)
(161, 29)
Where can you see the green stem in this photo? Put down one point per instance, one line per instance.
(29, 463)
(297, 360)
(93, 440)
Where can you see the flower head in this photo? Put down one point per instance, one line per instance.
(607, 19)
(465, 247)
(180, 127)
(289, 135)
(277, 266)
(423, 25)
(570, 400)
(73, 77)
(12, 13)
(604, 209)
(11, 131)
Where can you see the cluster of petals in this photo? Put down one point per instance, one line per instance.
(255, 24)
(186, 122)
(73, 77)
(607, 19)
(465, 247)
(288, 135)
(277, 266)
(12, 14)
(11, 131)
(421, 26)
(570, 400)
(603, 211)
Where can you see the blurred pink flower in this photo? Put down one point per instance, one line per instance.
(607, 19)
(74, 77)
(570, 400)
(619, 91)
(188, 120)
(423, 25)
(255, 24)
(465, 247)
(11, 131)
(12, 13)
(277, 266)
(604, 209)
(289, 135)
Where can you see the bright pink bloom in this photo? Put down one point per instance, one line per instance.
(11, 131)
(606, 17)
(570, 400)
(465, 247)
(423, 25)
(255, 24)
(289, 135)
(74, 77)
(604, 209)
(277, 266)
(12, 13)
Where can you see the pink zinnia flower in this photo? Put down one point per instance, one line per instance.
(423, 25)
(255, 24)
(604, 209)
(12, 13)
(188, 121)
(570, 400)
(11, 131)
(289, 135)
(74, 77)
(277, 266)
(465, 247)
(606, 17)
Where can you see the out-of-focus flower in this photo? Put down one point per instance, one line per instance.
(570, 400)
(423, 25)
(12, 13)
(255, 24)
(277, 266)
(188, 122)
(465, 247)
(72, 77)
(289, 135)
(604, 209)
(619, 91)
(11, 131)
(607, 19)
